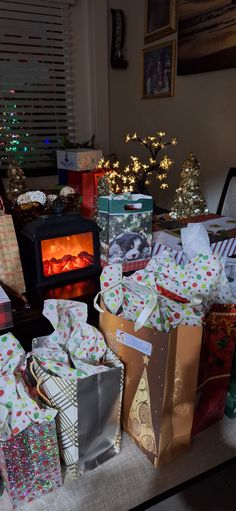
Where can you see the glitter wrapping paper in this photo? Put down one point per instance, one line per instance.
(30, 464)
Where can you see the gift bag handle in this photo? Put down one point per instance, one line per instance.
(148, 308)
(38, 383)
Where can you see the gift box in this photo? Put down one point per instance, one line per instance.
(30, 464)
(160, 383)
(29, 456)
(215, 366)
(62, 176)
(86, 393)
(6, 320)
(78, 159)
(221, 230)
(230, 408)
(126, 230)
(87, 183)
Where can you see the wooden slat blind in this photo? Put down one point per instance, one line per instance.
(35, 79)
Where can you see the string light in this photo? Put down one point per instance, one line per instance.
(136, 175)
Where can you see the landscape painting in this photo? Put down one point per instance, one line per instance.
(206, 35)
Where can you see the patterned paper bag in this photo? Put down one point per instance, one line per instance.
(29, 457)
(83, 380)
(160, 383)
(218, 344)
(10, 262)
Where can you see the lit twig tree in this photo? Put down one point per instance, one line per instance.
(136, 176)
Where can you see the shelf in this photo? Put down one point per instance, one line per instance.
(129, 479)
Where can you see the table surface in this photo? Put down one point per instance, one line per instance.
(129, 480)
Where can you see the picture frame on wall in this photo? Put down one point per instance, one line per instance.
(159, 70)
(206, 36)
(160, 19)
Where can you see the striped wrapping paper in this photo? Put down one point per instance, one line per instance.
(221, 230)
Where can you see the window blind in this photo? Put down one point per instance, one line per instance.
(35, 82)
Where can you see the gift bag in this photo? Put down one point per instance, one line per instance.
(230, 408)
(160, 383)
(153, 322)
(29, 456)
(86, 393)
(126, 235)
(218, 346)
(87, 183)
(10, 263)
(30, 464)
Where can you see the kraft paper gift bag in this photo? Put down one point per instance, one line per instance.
(29, 456)
(160, 383)
(218, 344)
(10, 263)
(81, 378)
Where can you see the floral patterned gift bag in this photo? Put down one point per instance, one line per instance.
(218, 346)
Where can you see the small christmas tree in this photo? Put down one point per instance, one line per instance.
(189, 199)
(14, 139)
(16, 180)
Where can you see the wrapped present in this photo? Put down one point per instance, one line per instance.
(126, 230)
(221, 230)
(6, 320)
(83, 380)
(29, 456)
(78, 159)
(160, 383)
(87, 183)
(218, 345)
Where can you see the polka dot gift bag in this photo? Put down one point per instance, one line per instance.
(80, 377)
(29, 456)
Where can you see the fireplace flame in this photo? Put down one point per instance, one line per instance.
(67, 253)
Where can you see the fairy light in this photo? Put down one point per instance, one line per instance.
(136, 175)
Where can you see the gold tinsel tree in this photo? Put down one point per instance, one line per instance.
(189, 199)
(136, 176)
(16, 180)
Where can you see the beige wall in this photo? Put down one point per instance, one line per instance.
(108, 102)
(201, 115)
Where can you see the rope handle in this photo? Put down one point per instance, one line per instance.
(2, 207)
(212, 378)
(38, 383)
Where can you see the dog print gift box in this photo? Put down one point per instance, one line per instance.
(126, 230)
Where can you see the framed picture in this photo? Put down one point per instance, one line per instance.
(160, 19)
(159, 70)
(206, 36)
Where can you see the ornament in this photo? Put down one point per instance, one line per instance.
(34, 196)
(67, 190)
(51, 197)
(189, 199)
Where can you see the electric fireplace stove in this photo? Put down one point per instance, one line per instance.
(56, 250)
